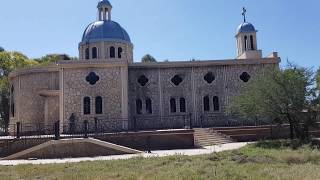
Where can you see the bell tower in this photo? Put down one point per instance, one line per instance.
(247, 47)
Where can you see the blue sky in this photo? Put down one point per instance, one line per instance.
(173, 30)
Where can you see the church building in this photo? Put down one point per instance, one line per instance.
(105, 85)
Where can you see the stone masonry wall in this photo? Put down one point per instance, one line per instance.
(193, 89)
(29, 105)
(76, 88)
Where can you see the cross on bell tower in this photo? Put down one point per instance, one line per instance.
(244, 12)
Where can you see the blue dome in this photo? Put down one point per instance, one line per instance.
(104, 2)
(105, 31)
(246, 28)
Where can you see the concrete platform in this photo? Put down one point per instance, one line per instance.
(154, 154)
(71, 148)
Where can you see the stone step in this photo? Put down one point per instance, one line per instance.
(207, 137)
(213, 143)
(213, 139)
(211, 136)
(221, 140)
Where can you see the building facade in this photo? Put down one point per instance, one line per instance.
(105, 84)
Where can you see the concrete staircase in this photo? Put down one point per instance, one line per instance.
(208, 137)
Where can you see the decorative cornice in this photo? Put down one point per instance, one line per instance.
(232, 62)
(107, 64)
(76, 64)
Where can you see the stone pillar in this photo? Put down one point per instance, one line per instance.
(46, 111)
(194, 105)
(61, 103)
(124, 94)
(102, 51)
(160, 93)
(18, 102)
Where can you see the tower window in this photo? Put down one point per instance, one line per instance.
(245, 43)
(149, 106)
(251, 42)
(216, 105)
(182, 105)
(86, 105)
(87, 53)
(119, 52)
(94, 53)
(99, 105)
(112, 52)
(173, 107)
(138, 106)
(206, 103)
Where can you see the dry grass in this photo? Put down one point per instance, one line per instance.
(261, 161)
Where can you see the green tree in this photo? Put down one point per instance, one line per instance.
(53, 58)
(1, 49)
(148, 58)
(318, 79)
(9, 61)
(281, 95)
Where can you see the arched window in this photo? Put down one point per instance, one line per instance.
(245, 43)
(112, 52)
(182, 105)
(251, 42)
(12, 107)
(206, 103)
(94, 53)
(119, 52)
(149, 106)
(216, 105)
(87, 53)
(173, 107)
(86, 105)
(99, 105)
(138, 106)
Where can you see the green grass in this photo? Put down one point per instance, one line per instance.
(265, 160)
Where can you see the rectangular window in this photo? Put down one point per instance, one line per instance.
(99, 105)
(182, 105)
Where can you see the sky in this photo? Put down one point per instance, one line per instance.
(167, 29)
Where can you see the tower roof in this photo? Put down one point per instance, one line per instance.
(104, 3)
(246, 28)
